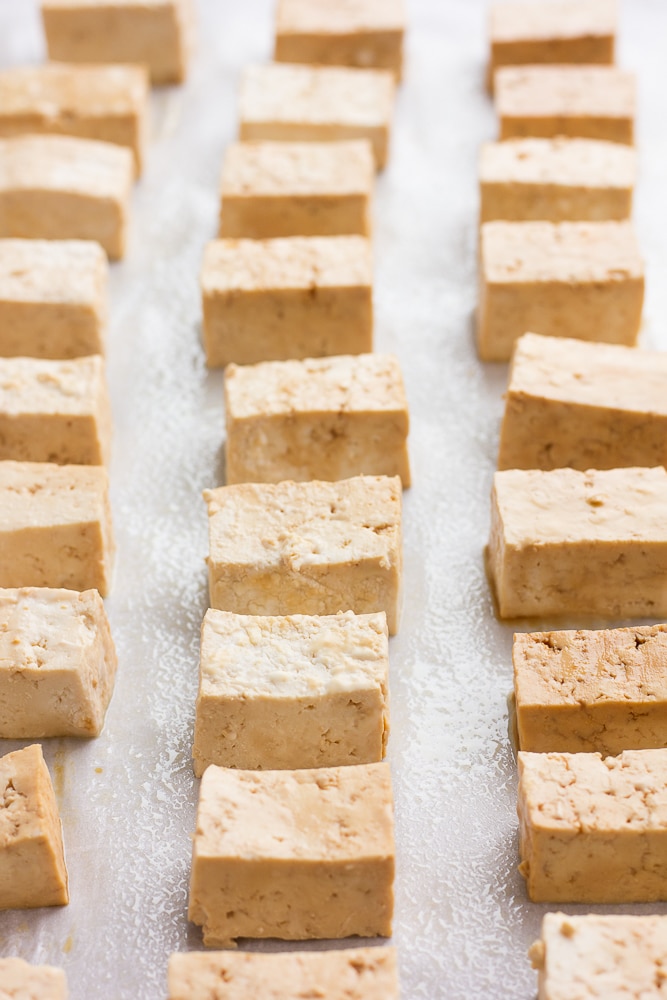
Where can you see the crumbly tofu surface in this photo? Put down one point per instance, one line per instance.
(58, 187)
(306, 548)
(271, 189)
(293, 103)
(153, 33)
(348, 33)
(55, 526)
(57, 663)
(305, 297)
(53, 298)
(109, 103)
(350, 974)
(593, 829)
(324, 418)
(557, 180)
(583, 280)
(591, 691)
(32, 862)
(291, 692)
(293, 854)
(620, 957)
(21, 981)
(54, 411)
(592, 102)
(585, 406)
(579, 543)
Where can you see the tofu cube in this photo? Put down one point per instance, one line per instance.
(156, 34)
(286, 103)
(54, 411)
(109, 103)
(32, 862)
(53, 298)
(21, 981)
(350, 974)
(586, 406)
(323, 418)
(312, 548)
(297, 189)
(602, 691)
(303, 296)
(293, 854)
(358, 33)
(291, 692)
(591, 829)
(567, 543)
(57, 663)
(557, 180)
(55, 526)
(568, 279)
(591, 102)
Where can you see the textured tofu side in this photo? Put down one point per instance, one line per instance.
(21, 981)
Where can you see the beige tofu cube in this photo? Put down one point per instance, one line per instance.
(21, 981)
(293, 854)
(567, 279)
(53, 298)
(306, 548)
(297, 189)
(54, 411)
(291, 692)
(57, 663)
(57, 187)
(579, 543)
(32, 862)
(600, 956)
(586, 406)
(154, 33)
(557, 180)
(286, 103)
(350, 974)
(593, 829)
(303, 296)
(591, 102)
(109, 103)
(55, 526)
(602, 691)
(322, 418)
(348, 33)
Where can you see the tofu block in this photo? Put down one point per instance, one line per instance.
(602, 691)
(32, 862)
(567, 279)
(57, 187)
(591, 102)
(57, 663)
(109, 103)
(291, 692)
(293, 854)
(54, 411)
(600, 956)
(593, 829)
(557, 180)
(306, 548)
(55, 526)
(366, 33)
(154, 33)
(579, 543)
(273, 189)
(322, 418)
(587, 406)
(20, 981)
(350, 974)
(292, 103)
(303, 296)
(53, 298)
